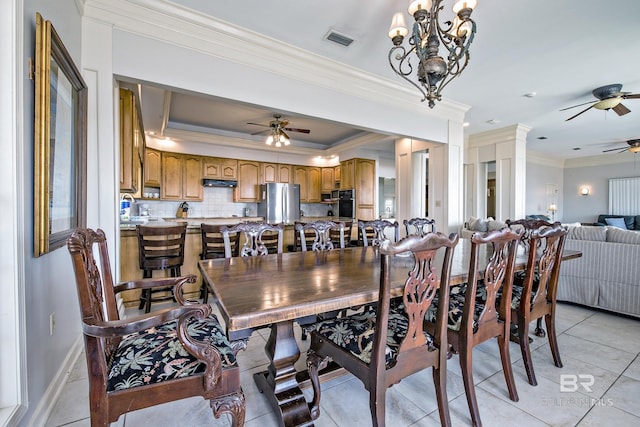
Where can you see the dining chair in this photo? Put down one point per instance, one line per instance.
(159, 248)
(260, 238)
(419, 226)
(534, 290)
(474, 317)
(146, 360)
(309, 236)
(374, 232)
(384, 345)
(334, 233)
(212, 245)
(320, 231)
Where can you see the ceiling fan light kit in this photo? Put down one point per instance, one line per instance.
(278, 137)
(434, 72)
(609, 97)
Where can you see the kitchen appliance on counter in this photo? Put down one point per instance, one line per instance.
(346, 202)
(280, 202)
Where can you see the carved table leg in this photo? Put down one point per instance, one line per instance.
(279, 383)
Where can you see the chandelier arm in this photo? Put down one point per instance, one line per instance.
(402, 59)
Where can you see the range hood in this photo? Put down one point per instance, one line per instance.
(218, 183)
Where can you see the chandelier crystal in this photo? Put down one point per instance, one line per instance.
(428, 33)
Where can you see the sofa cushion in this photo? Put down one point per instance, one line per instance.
(595, 233)
(637, 222)
(616, 222)
(617, 235)
(629, 220)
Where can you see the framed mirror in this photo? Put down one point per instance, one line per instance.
(60, 139)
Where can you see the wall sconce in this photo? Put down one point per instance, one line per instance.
(584, 190)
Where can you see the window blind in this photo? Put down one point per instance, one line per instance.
(624, 196)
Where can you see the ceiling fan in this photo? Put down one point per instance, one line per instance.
(634, 147)
(609, 97)
(277, 128)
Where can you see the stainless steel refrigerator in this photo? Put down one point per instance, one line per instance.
(279, 202)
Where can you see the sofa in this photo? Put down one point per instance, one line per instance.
(607, 276)
(632, 222)
(473, 225)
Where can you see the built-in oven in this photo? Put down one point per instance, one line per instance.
(346, 203)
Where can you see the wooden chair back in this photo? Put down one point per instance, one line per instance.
(535, 290)
(400, 347)
(321, 232)
(419, 226)
(213, 242)
(161, 247)
(260, 238)
(210, 371)
(373, 233)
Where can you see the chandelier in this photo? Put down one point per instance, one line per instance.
(434, 71)
(277, 137)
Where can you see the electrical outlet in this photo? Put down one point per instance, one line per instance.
(52, 323)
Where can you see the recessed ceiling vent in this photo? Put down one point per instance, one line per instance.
(336, 37)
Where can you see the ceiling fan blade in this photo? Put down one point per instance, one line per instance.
(616, 149)
(297, 130)
(586, 109)
(261, 131)
(621, 110)
(632, 96)
(257, 124)
(283, 123)
(579, 105)
(285, 134)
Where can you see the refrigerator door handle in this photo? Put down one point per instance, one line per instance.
(285, 205)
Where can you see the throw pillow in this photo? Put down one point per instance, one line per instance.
(616, 222)
(477, 224)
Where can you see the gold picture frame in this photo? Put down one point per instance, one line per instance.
(60, 142)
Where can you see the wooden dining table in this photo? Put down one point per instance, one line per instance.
(277, 290)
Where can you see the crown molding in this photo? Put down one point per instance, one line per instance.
(541, 159)
(504, 134)
(177, 25)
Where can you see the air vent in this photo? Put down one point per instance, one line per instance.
(336, 37)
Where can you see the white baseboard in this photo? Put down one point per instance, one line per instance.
(50, 397)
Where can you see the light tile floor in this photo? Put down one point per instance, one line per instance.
(591, 343)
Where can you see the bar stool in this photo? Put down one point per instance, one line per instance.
(160, 248)
(213, 247)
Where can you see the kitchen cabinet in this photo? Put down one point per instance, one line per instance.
(219, 168)
(248, 181)
(328, 180)
(347, 174)
(284, 173)
(181, 177)
(300, 177)
(314, 183)
(152, 168)
(364, 184)
(268, 172)
(131, 143)
(336, 175)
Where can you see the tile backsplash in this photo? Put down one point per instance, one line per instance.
(218, 202)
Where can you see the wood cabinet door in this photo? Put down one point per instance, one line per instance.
(248, 180)
(284, 173)
(328, 180)
(229, 169)
(129, 160)
(152, 168)
(365, 177)
(314, 182)
(336, 174)
(347, 172)
(269, 172)
(211, 168)
(300, 177)
(192, 178)
(171, 188)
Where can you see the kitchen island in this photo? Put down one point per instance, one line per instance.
(129, 267)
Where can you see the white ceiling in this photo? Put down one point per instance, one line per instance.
(559, 49)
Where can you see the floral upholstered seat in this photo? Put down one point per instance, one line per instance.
(456, 306)
(355, 333)
(156, 354)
